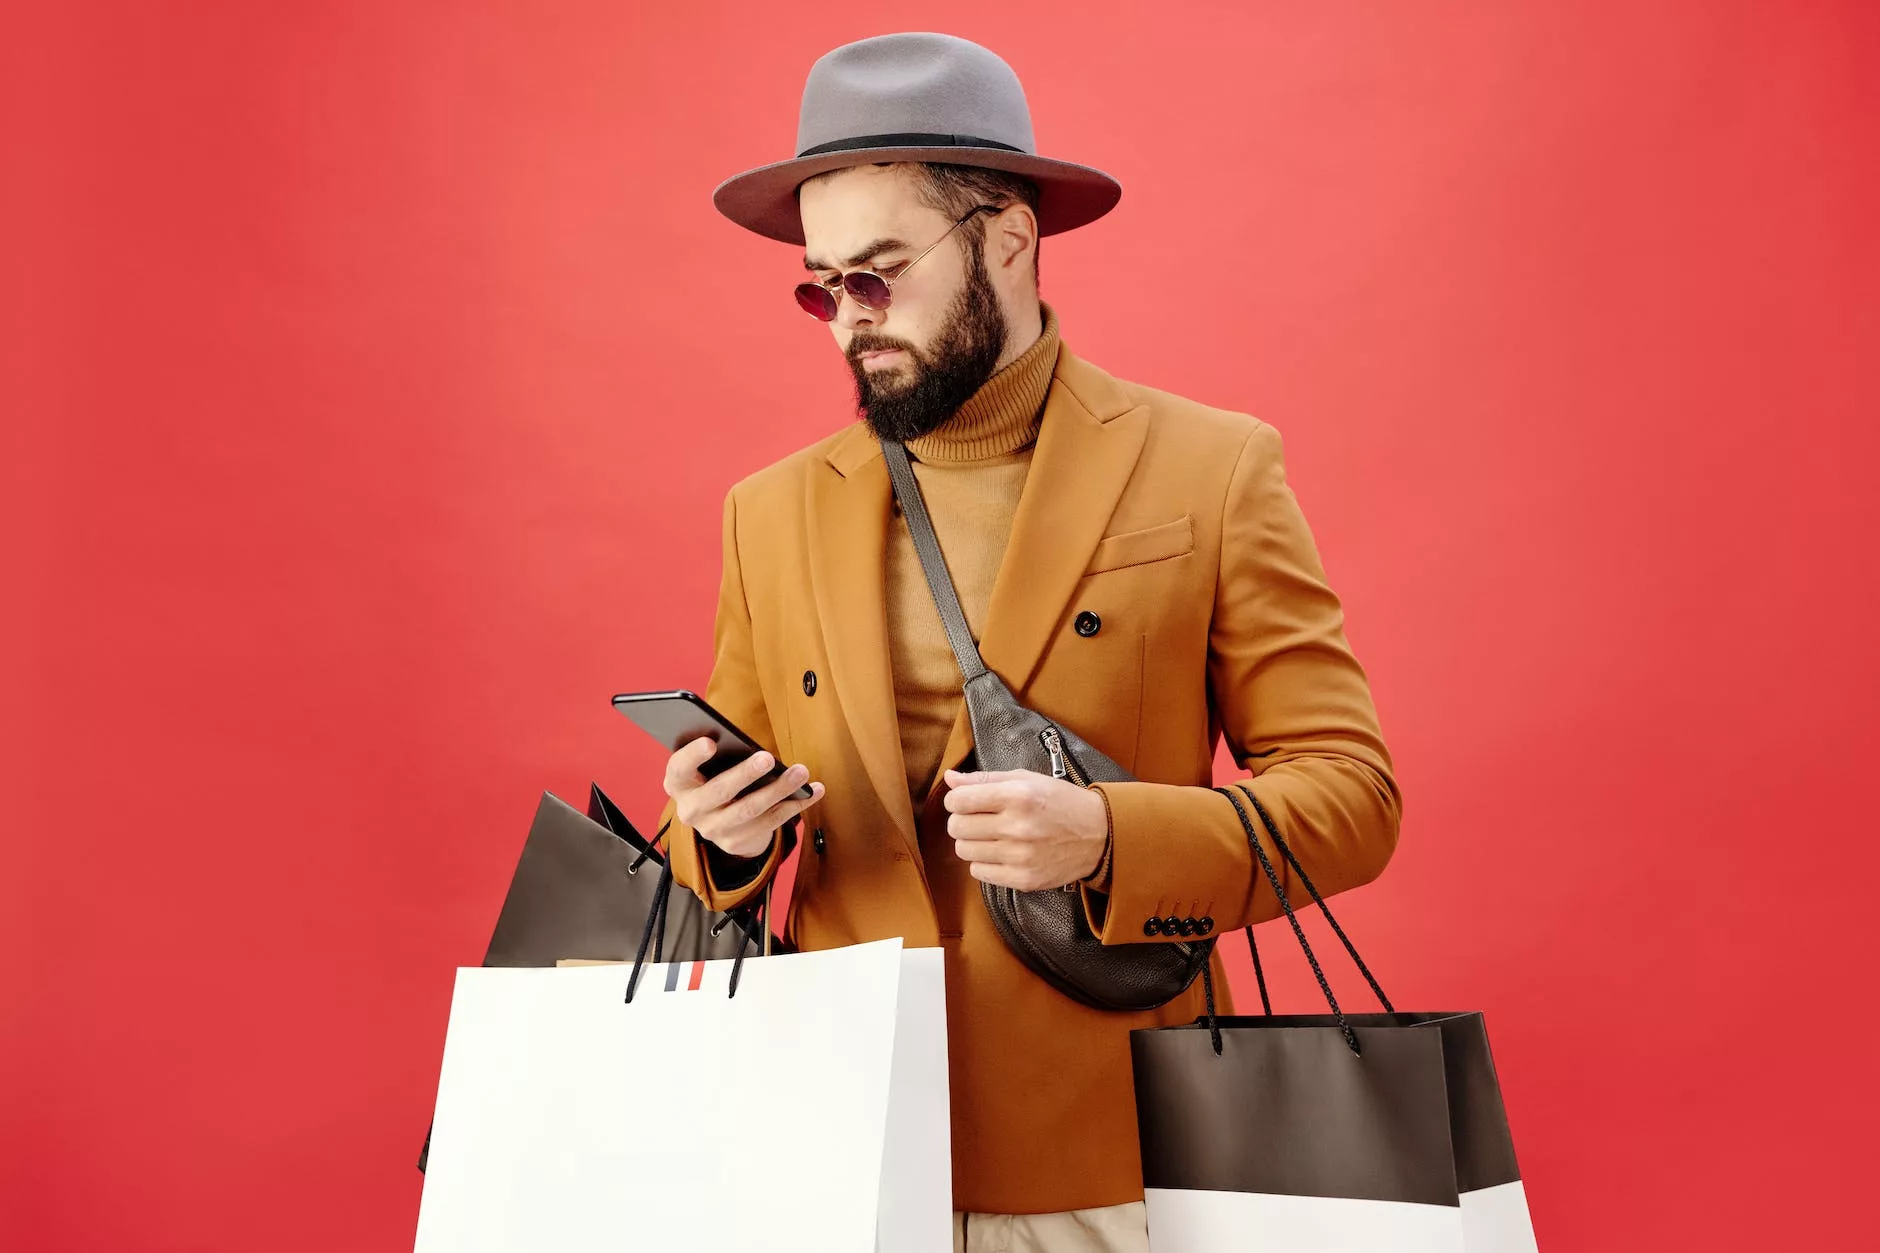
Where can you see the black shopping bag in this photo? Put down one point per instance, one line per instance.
(590, 887)
(585, 886)
(1333, 1133)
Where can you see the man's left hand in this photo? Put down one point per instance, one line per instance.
(1025, 830)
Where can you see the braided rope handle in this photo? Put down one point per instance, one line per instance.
(1234, 796)
(1285, 850)
(1272, 877)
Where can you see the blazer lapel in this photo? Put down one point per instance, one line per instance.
(850, 510)
(1088, 441)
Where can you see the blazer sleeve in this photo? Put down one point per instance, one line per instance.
(723, 882)
(1294, 705)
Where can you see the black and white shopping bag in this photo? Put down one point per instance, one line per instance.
(591, 887)
(1335, 1133)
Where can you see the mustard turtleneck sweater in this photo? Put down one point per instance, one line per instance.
(971, 472)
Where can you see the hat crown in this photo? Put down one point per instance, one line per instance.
(913, 83)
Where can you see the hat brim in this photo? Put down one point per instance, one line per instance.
(764, 199)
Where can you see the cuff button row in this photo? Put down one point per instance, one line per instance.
(1172, 926)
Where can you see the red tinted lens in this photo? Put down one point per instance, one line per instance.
(870, 289)
(817, 301)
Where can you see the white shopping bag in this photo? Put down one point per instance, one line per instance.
(807, 1112)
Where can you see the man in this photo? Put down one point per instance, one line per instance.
(1131, 563)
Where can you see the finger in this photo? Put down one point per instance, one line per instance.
(759, 801)
(1007, 876)
(976, 826)
(767, 821)
(983, 852)
(682, 767)
(788, 808)
(968, 778)
(721, 790)
(985, 798)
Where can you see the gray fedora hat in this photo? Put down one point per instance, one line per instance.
(913, 97)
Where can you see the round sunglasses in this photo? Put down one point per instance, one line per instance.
(869, 289)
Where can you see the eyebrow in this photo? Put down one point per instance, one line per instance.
(869, 253)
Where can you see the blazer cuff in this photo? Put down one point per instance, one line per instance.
(1094, 887)
(721, 881)
(1173, 857)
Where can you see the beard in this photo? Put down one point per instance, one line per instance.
(919, 395)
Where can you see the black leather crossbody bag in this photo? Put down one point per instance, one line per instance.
(1047, 929)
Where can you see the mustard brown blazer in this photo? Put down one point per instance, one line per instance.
(1173, 523)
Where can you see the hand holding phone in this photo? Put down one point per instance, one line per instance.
(737, 809)
(725, 786)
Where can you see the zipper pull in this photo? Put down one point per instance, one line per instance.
(1055, 747)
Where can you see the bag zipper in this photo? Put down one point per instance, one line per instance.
(1062, 767)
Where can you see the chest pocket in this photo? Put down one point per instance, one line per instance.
(1140, 548)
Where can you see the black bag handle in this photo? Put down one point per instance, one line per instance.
(1285, 850)
(1234, 795)
(752, 921)
(655, 925)
(746, 918)
(651, 849)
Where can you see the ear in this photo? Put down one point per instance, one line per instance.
(1011, 237)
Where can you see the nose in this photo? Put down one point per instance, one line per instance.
(852, 314)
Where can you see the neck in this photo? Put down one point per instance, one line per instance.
(1026, 323)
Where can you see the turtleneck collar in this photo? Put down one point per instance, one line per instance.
(1002, 416)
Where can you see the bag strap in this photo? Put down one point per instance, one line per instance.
(654, 932)
(651, 849)
(932, 563)
(761, 916)
(1259, 973)
(655, 922)
(1207, 985)
(1234, 796)
(1292, 860)
(1272, 877)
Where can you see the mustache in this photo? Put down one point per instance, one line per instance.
(861, 345)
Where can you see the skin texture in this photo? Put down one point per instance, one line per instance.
(741, 827)
(1024, 830)
(1014, 828)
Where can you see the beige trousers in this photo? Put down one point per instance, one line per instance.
(1112, 1229)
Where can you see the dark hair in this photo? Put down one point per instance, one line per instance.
(955, 189)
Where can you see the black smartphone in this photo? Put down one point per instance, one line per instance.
(675, 719)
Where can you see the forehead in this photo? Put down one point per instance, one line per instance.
(852, 210)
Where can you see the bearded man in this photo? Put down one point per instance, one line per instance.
(1132, 564)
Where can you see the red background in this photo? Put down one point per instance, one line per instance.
(374, 372)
